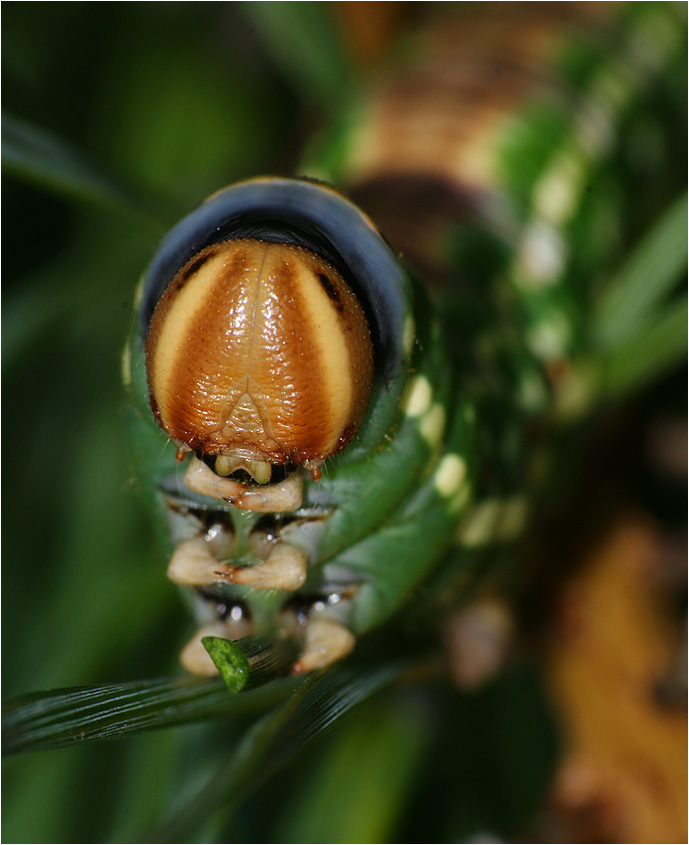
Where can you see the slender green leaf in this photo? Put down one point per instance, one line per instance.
(232, 782)
(91, 714)
(305, 41)
(273, 741)
(662, 344)
(41, 157)
(95, 713)
(342, 800)
(628, 303)
(327, 699)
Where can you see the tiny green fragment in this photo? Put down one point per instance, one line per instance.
(231, 661)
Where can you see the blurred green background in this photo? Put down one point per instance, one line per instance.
(141, 110)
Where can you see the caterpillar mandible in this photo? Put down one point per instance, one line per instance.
(323, 440)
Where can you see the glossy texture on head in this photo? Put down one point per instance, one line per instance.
(261, 351)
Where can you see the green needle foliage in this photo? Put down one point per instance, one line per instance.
(40, 721)
(640, 322)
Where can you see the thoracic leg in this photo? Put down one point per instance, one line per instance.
(326, 642)
(193, 564)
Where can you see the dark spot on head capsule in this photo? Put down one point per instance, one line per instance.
(194, 266)
(331, 290)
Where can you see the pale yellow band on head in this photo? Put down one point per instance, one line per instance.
(335, 369)
(183, 315)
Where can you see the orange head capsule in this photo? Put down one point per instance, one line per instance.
(259, 352)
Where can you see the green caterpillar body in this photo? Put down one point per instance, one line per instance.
(501, 182)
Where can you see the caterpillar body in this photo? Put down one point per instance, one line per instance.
(316, 432)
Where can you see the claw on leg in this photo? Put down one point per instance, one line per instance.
(284, 569)
(326, 642)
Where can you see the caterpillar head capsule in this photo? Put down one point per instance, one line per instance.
(267, 316)
(258, 353)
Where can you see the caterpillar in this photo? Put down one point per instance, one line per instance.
(503, 162)
(335, 396)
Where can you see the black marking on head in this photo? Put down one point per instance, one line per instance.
(195, 266)
(331, 290)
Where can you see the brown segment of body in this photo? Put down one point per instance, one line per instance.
(430, 132)
(441, 113)
(260, 351)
